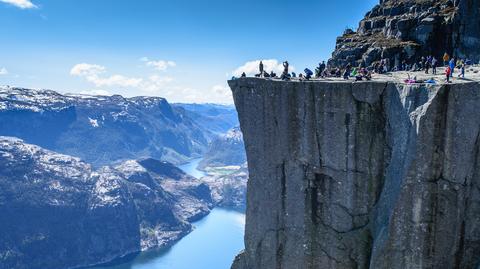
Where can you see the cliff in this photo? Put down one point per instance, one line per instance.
(410, 29)
(360, 175)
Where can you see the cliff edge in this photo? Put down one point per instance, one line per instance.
(360, 175)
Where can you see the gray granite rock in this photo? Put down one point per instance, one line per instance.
(409, 29)
(360, 175)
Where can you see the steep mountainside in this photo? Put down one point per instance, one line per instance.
(410, 29)
(57, 212)
(360, 175)
(216, 118)
(227, 149)
(101, 129)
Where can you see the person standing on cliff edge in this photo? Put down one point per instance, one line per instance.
(285, 68)
(260, 66)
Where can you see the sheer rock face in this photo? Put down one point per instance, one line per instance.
(409, 29)
(360, 175)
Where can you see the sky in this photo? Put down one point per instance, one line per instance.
(183, 50)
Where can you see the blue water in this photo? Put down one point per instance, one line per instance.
(214, 243)
(191, 168)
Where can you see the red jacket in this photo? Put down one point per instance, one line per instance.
(448, 71)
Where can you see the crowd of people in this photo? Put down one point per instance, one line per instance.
(427, 64)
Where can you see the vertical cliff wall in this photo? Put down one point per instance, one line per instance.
(360, 175)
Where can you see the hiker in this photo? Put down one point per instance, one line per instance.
(294, 75)
(322, 67)
(446, 58)
(273, 75)
(308, 73)
(285, 68)
(452, 66)
(427, 66)
(244, 75)
(260, 66)
(448, 72)
(354, 72)
(265, 74)
(434, 65)
(347, 72)
(462, 71)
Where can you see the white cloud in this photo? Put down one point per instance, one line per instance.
(251, 68)
(23, 4)
(3, 71)
(92, 73)
(160, 65)
(85, 69)
(154, 84)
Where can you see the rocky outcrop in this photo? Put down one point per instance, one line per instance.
(57, 212)
(410, 29)
(360, 175)
(102, 129)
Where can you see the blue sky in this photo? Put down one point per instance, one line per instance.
(182, 50)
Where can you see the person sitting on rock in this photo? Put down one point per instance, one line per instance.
(265, 74)
(244, 75)
(260, 66)
(308, 73)
(348, 70)
(273, 75)
(325, 73)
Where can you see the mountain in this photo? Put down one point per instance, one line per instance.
(102, 129)
(343, 175)
(58, 212)
(226, 150)
(228, 186)
(410, 29)
(216, 118)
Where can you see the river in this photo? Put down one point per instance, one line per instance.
(213, 244)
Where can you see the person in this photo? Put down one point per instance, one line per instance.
(273, 75)
(446, 59)
(265, 74)
(260, 66)
(308, 73)
(347, 72)
(354, 72)
(452, 66)
(462, 71)
(322, 67)
(434, 65)
(244, 75)
(427, 66)
(285, 68)
(294, 75)
(285, 74)
(448, 72)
